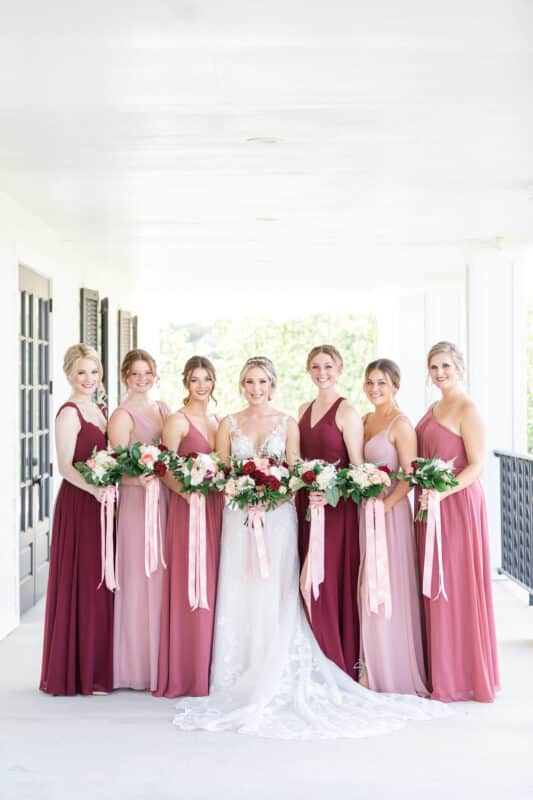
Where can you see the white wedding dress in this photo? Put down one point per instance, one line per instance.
(268, 675)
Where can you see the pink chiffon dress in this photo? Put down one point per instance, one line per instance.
(392, 649)
(138, 598)
(461, 635)
(186, 640)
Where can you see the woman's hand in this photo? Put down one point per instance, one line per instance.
(317, 499)
(145, 478)
(99, 492)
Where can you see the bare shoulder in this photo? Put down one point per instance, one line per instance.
(469, 413)
(402, 428)
(347, 413)
(292, 424)
(177, 422)
(68, 416)
(120, 415)
(224, 423)
(303, 408)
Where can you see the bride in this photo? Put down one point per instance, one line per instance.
(269, 677)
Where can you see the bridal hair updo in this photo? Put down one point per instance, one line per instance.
(198, 362)
(263, 363)
(129, 360)
(453, 351)
(74, 354)
(388, 367)
(328, 350)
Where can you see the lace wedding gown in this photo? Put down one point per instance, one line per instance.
(269, 677)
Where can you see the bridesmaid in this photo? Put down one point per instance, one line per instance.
(462, 655)
(78, 630)
(392, 654)
(138, 599)
(331, 429)
(187, 635)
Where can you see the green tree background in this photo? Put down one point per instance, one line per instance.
(228, 343)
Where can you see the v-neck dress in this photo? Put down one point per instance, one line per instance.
(334, 615)
(138, 600)
(461, 634)
(186, 637)
(78, 628)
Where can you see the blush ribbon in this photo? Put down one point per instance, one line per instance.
(197, 552)
(256, 530)
(377, 559)
(433, 534)
(153, 535)
(107, 555)
(313, 569)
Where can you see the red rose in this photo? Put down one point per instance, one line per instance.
(414, 464)
(160, 469)
(226, 471)
(271, 461)
(309, 477)
(162, 447)
(114, 455)
(271, 482)
(248, 468)
(285, 464)
(384, 468)
(192, 455)
(259, 478)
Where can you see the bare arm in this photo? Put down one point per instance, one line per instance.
(223, 441)
(351, 425)
(175, 430)
(404, 440)
(303, 408)
(66, 432)
(292, 446)
(473, 433)
(119, 431)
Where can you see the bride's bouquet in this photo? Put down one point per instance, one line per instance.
(364, 481)
(432, 474)
(260, 481)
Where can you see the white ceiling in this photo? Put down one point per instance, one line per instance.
(238, 133)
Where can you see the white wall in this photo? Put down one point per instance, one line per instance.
(26, 240)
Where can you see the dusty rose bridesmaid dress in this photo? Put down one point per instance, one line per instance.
(78, 628)
(461, 635)
(334, 615)
(392, 649)
(187, 636)
(138, 600)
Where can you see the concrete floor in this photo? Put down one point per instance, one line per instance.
(124, 746)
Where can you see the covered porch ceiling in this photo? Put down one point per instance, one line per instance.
(186, 136)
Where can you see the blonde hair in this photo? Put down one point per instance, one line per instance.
(453, 351)
(328, 350)
(263, 363)
(74, 354)
(388, 367)
(198, 362)
(129, 360)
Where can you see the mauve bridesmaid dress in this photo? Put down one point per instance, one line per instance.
(186, 637)
(334, 615)
(392, 649)
(78, 628)
(138, 600)
(461, 635)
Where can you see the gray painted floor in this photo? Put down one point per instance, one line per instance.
(124, 746)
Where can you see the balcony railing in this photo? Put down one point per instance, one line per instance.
(516, 500)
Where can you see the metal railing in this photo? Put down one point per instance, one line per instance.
(516, 502)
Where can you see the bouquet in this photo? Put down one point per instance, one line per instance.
(258, 484)
(364, 481)
(316, 476)
(198, 474)
(151, 460)
(103, 469)
(429, 473)
(261, 481)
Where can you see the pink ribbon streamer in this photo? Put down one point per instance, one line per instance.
(153, 535)
(433, 533)
(197, 552)
(313, 569)
(256, 529)
(377, 559)
(107, 532)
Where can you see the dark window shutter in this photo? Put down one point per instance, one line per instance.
(127, 339)
(89, 327)
(104, 340)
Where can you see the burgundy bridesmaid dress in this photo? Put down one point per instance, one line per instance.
(461, 635)
(186, 636)
(334, 615)
(138, 600)
(78, 630)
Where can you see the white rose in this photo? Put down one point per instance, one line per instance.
(276, 472)
(197, 475)
(294, 483)
(282, 490)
